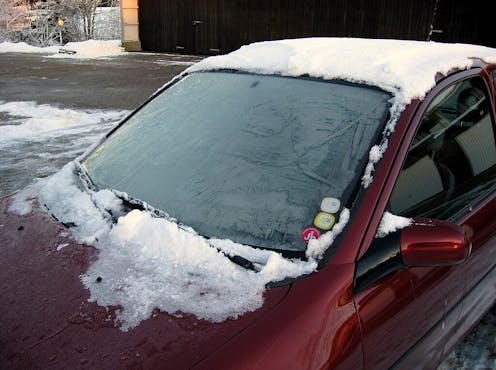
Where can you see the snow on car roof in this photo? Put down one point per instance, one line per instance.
(405, 68)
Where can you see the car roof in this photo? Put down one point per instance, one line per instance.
(407, 69)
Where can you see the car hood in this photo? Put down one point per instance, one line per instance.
(48, 322)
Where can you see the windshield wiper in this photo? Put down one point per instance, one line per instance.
(241, 261)
(133, 203)
(138, 204)
(84, 177)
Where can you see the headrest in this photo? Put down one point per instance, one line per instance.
(469, 100)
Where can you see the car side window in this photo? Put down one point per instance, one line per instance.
(451, 163)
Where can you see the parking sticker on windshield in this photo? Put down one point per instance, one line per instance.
(324, 221)
(310, 233)
(330, 205)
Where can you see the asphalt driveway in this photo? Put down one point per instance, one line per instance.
(121, 82)
(53, 109)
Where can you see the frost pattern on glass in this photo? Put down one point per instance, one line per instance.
(241, 156)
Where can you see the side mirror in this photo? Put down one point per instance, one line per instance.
(428, 243)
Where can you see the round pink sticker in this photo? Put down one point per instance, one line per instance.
(310, 233)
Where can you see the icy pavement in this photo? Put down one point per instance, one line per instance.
(478, 350)
(37, 140)
(51, 110)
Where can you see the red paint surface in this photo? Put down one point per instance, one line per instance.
(414, 316)
(47, 321)
(434, 243)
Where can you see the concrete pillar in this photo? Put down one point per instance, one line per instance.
(130, 25)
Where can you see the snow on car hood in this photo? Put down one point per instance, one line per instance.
(146, 262)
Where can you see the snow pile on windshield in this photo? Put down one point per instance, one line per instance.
(83, 50)
(146, 262)
(316, 247)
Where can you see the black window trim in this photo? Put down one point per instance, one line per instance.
(362, 259)
(417, 120)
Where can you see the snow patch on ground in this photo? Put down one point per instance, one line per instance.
(172, 62)
(36, 122)
(89, 49)
(37, 140)
(22, 47)
(478, 350)
(92, 49)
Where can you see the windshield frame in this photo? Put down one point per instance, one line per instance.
(351, 192)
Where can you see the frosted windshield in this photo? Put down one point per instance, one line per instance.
(244, 157)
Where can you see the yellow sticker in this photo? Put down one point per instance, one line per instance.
(324, 221)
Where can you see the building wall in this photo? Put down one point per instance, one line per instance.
(220, 26)
(130, 25)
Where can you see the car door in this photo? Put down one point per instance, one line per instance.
(448, 165)
(480, 269)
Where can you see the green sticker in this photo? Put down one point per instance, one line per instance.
(324, 221)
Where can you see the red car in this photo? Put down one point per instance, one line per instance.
(306, 204)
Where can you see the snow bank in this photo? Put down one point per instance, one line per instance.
(146, 262)
(22, 47)
(36, 122)
(38, 140)
(84, 50)
(92, 49)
